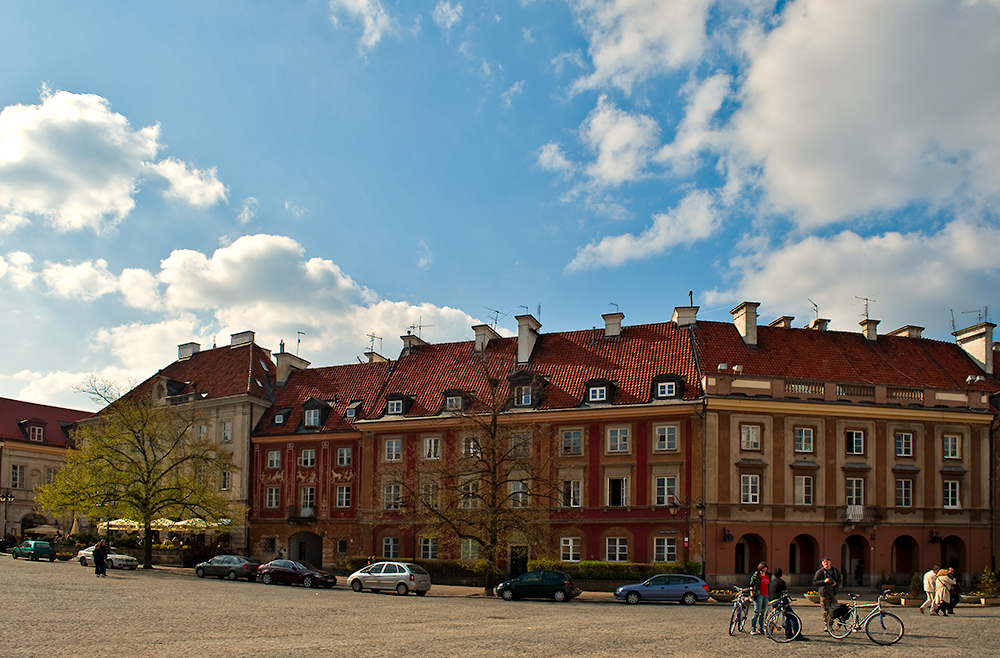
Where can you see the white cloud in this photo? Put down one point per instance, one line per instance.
(560, 61)
(11, 222)
(71, 160)
(693, 219)
(507, 97)
(623, 143)
(87, 280)
(19, 270)
(447, 15)
(248, 211)
(140, 289)
(526, 34)
(695, 132)
(632, 40)
(551, 158)
(426, 257)
(377, 22)
(298, 211)
(198, 188)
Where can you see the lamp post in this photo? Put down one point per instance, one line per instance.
(6, 497)
(676, 506)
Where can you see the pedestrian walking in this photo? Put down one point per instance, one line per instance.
(760, 583)
(100, 559)
(929, 579)
(827, 579)
(942, 592)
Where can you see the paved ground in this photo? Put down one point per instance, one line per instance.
(61, 609)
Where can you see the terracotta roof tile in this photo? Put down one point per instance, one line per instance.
(57, 421)
(246, 369)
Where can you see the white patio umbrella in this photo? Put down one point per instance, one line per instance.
(47, 530)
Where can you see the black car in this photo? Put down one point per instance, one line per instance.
(290, 572)
(228, 566)
(539, 584)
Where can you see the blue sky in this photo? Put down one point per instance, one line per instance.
(179, 172)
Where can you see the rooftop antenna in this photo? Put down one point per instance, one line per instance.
(613, 304)
(298, 341)
(866, 300)
(371, 348)
(539, 313)
(690, 297)
(953, 329)
(213, 341)
(419, 325)
(525, 308)
(495, 314)
(981, 314)
(815, 307)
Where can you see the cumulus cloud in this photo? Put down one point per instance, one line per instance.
(19, 269)
(11, 222)
(248, 211)
(695, 218)
(296, 210)
(370, 13)
(86, 281)
(551, 158)
(623, 143)
(195, 187)
(140, 289)
(695, 133)
(447, 15)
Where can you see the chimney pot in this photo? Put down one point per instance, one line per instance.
(977, 341)
(868, 328)
(819, 324)
(613, 324)
(685, 316)
(484, 334)
(286, 363)
(909, 331)
(784, 322)
(241, 338)
(527, 334)
(745, 319)
(187, 349)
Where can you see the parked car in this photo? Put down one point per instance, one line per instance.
(290, 572)
(34, 550)
(666, 587)
(539, 584)
(403, 577)
(228, 566)
(115, 559)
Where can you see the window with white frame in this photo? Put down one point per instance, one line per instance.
(571, 493)
(803, 439)
(36, 433)
(617, 549)
(307, 498)
(617, 439)
(430, 494)
(750, 437)
(666, 389)
(518, 494)
(469, 496)
(665, 549)
(597, 394)
(274, 459)
(664, 490)
(950, 446)
(350, 412)
(617, 492)
(572, 442)
(392, 497)
(803, 490)
(312, 418)
(394, 407)
(666, 438)
(344, 495)
(855, 491)
(471, 448)
(226, 478)
(393, 450)
(470, 549)
(307, 458)
(17, 476)
(570, 549)
(273, 498)
(202, 430)
(952, 499)
(520, 445)
(750, 489)
(428, 548)
(344, 456)
(227, 431)
(279, 419)
(50, 475)
(904, 444)
(904, 493)
(432, 447)
(522, 396)
(390, 547)
(453, 403)
(855, 442)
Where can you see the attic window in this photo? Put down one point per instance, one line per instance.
(312, 418)
(666, 389)
(351, 412)
(395, 407)
(522, 396)
(453, 403)
(279, 419)
(258, 383)
(36, 433)
(263, 364)
(598, 394)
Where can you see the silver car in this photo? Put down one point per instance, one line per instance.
(115, 559)
(400, 576)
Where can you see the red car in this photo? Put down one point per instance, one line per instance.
(290, 572)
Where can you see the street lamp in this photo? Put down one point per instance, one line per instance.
(6, 497)
(676, 506)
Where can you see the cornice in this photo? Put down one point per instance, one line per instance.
(792, 407)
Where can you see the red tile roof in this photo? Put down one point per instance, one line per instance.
(220, 372)
(56, 419)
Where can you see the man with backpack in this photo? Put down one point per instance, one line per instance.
(827, 580)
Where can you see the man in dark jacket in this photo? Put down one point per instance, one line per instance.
(776, 589)
(827, 580)
(100, 559)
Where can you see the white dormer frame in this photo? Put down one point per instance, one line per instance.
(666, 389)
(394, 407)
(597, 394)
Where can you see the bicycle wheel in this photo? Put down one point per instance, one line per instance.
(775, 625)
(744, 613)
(734, 622)
(843, 626)
(884, 628)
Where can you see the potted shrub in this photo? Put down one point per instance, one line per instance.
(988, 585)
(813, 596)
(915, 595)
(723, 595)
(894, 598)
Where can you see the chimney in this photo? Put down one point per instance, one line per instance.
(685, 316)
(410, 341)
(819, 324)
(375, 357)
(484, 334)
(187, 349)
(784, 322)
(527, 334)
(613, 324)
(745, 319)
(288, 362)
(909, 331)
(241, 338)
(868, 328)
(978, 342)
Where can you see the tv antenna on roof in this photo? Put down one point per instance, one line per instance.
(866, 300)
(495, 314)
(371, 347)
(815, 307)
(613, 304)
(982, 314)
(298, 341)
(419, 325)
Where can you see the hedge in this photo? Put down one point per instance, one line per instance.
(594, 570)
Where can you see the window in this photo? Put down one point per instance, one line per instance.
(597, 394)
(470, 496)
(36, 433)
(430, 494)
(227, 431)
(855, 442)
(570, 549)
(904, 493)
(274, 459)
(950, 443)
(227, 478)
(279, 419)
(432, 447)
(617, 439)
(518, 494)
(453, 403)
(803, 439)
(666, 437)
(666, 389)
(470, 549)
(522, 396)
(308, 458)
(803, 490)
(391, 497)
(750, 489)
(50, 475)
(393, 450)
(202, 430)
(395, 407)
(307, 498)
(904, 444)
(428, 548)
(664, 549)
(350, 412)
(520, 445)
(571, 493)
(344, 495)
(312, 418)
(390, 547)
(342, 546)
(664, 490)
(273, 498)
(572, 442)
(750, 437)
(471, 448)
(17, 478)
(344, 456)
(617, 492)
(951, 495)
(270, 545)
(617, 549)
(855, 491)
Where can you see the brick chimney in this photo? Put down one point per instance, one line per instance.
(286, 363)
(868, 328)
(613, 324)
(241, 338)
(685, 316)
(745, 319)
(978, 342)
(527, 334)
(484, 334)
(187, 349)
(375, 357)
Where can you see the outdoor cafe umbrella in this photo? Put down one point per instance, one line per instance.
(42, 530)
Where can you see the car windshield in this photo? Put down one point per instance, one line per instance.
(306, 565)
(417, 569)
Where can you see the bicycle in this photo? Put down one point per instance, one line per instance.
(782, 624)
(741, 610)
(882, 627)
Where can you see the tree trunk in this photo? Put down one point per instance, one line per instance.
(147, 547)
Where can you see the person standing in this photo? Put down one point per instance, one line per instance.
(759, 586)
(100, 559)
(955, 591)
(942, 592)
(827, 579)
(929, 579)
(778, 587)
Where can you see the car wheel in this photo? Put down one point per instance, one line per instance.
(266, 579)
(356, 585)
(559, 596)
(134, 568)
(402, 589)
(199, 572)
(111, 565)
(307, 582)
(13, 555)
(632, 597)
(507, 595)
(32, 557)
(328, 585)
(232, 575)
(689, 598)
(83, 562)
(52, 559)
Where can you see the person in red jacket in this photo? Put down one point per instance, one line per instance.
(759, 587)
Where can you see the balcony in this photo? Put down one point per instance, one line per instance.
(861, 515)
(300, 514)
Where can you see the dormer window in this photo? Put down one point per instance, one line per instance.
(351, 413)
(279, 419)
(36, 433)
(395, 407)
(312, 418)
(522, 396)
(666, 389)
(453, 403)
(598, 394)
